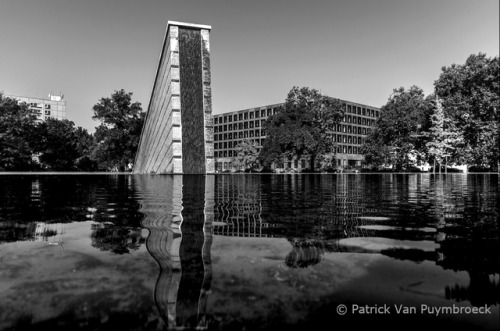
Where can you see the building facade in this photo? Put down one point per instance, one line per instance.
(177, 134)
(232, 128)
(53, 107)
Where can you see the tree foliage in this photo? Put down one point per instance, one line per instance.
(16, 128)
(395, 137)
(302, 127)
(117, 138)
(246, 154)
(471, 101)
(56, 144)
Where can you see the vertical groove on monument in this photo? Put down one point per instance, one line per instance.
(192, 115)
(177, 136)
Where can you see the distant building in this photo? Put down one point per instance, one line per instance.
(53, 107)
(232, 127)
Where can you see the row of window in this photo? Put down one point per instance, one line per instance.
(262, 133)
(219, 119)
(257, 123)
(231, 144)
(341, 149)
(339, 138)
(251, 114)
(240, 135)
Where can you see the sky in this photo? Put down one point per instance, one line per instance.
(356, 50)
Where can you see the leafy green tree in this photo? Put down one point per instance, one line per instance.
(57, 144)
(471, 101)
(394, 140)
(117, 138)
(441, 142)
(16, 127)
(246, 155)
(303, 128)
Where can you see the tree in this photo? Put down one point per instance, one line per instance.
(117, 138)
(302, 128)
(246, 154)
(471, 100)
(57, 144)
(441, 141)
(16, 127)
(394, 139)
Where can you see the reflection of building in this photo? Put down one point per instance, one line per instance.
(180, 239)
(53, 107)
(233, 127)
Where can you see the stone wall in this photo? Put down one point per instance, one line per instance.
(177, 136)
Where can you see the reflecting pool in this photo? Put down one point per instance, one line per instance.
(234, 252)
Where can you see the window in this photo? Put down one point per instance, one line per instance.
(364, 112)
(225, 136)
(251, 115)
(230, 154)
(216, 120)
(251, 134)
(245, 125)
(348, 109)
(230, 144)
(230, 127)
(246, 134)
(235, 118)
(47, 106)
(359, 110)
(245, 115)
(251, 125)
(350, 150)
(263, 132)
(240, 135)
(216, 154)
(269, 112)
(225, 144)
(275, 110)
(339, 149)
(225, 119)
(230, 135)
(240, 126)
(240, 117)
(257, 124)
(216, 129)
(263, 113)
(349, 140)
(225, 127)
(345, 139)
(345, 149)
(257, 133)
(257, 113)
(355, 150)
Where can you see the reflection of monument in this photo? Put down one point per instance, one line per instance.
(180, 226)
(177, 136)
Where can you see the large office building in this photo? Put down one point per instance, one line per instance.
(233, 127)
(53, 107)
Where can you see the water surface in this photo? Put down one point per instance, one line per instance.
(103, 252)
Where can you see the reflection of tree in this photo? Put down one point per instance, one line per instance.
(117, 239)
(482, 290)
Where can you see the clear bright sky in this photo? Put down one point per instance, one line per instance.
(357, 50)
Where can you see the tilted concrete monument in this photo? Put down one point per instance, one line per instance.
(177, 137)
